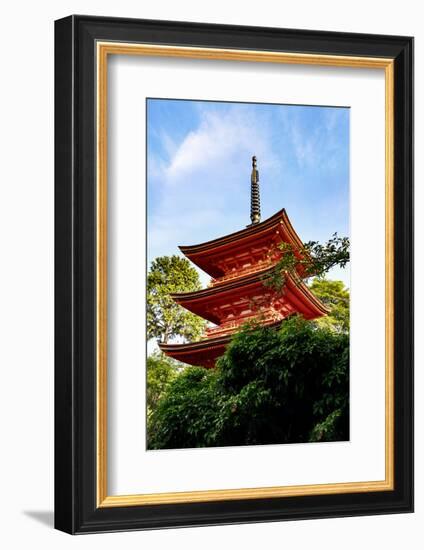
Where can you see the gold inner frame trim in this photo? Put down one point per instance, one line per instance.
(104, 49)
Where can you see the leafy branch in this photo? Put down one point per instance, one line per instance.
(313, 259)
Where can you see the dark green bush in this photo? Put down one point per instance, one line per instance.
(271, 386)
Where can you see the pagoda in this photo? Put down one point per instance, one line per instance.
(238, 265)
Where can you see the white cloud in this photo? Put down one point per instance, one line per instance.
(217, 140)
(193, 181)
(316, 144)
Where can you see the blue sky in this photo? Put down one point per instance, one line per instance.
(199, 163)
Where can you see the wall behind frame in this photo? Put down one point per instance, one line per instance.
(26, 277)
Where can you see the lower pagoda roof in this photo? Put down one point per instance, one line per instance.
(202, 353)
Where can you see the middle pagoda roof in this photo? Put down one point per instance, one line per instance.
(220, 256)
(216, 303)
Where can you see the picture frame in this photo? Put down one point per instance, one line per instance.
(83, 45)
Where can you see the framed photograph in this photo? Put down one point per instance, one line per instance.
(234, 274)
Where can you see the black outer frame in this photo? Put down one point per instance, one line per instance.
(75, 275)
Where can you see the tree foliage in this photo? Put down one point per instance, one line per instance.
(271, 386)
(165, 318)
(336, 297)
(161, 371)
(184, 416)
(313, 259)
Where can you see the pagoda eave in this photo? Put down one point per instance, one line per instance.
(210, 255)
(202, 353)
(215, 302)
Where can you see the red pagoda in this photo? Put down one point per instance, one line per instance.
(238, 264)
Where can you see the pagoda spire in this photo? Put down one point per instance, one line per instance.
(255, 202)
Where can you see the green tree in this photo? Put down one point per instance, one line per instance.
(165, 318)
(161, 371)
(335, 296)
(185, 415)
(271, 386)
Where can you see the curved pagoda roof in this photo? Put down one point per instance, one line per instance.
(202, 302)
(202, 352)
(207, 255)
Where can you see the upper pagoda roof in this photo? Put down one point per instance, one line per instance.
(207, 254)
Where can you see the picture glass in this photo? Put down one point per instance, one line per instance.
(247, 273)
